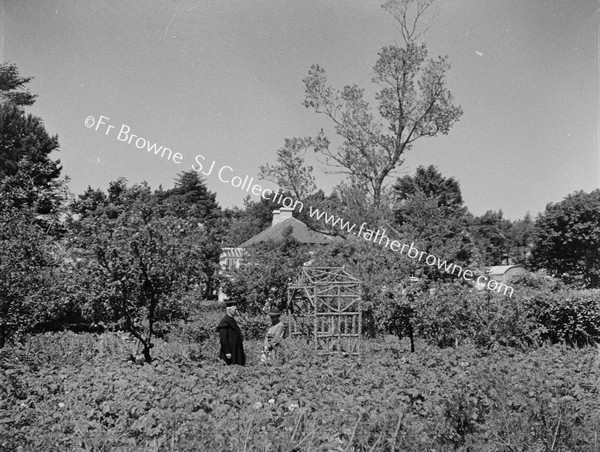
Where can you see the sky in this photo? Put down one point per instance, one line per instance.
(223, 79)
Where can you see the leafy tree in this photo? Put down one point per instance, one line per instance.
(413, 103)
(268, 264)
(26, 269)
(290, 173)
(133, 269)
(244, 224)
(382, 273)
(521, 240)
(354, 205)
(567, 239)
(492, 235)
(189, 200)
(119, 198)
(408, 14)
(89, 201)
(27, 174)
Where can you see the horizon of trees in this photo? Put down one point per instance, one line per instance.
(132, 257)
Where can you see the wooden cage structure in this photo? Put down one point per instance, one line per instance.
(324, 304)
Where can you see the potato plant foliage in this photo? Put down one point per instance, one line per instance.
(76, 392)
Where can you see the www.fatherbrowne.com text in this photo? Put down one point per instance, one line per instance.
(379, 237)
(226, 174)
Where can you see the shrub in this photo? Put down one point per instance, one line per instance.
(569, 316)
(455, 313)
(542, 310)
(266, 265)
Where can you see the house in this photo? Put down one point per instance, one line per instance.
(282, 219)
(232, 257)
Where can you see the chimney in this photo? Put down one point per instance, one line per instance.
(281, 215)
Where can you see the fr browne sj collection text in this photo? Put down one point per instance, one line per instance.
(124, 134)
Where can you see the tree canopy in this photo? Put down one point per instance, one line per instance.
(28, 176)
(567, 239)
(413, 102)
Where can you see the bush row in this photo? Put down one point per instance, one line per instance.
(540, 311)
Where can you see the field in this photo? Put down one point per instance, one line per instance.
(66, 391)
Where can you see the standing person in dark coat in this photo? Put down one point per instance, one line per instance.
(232, 348)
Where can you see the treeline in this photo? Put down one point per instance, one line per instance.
(131, 257)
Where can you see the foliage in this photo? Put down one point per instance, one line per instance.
(89, 201)
(378, 269)
(430, 213)
(567, 239)
(454, 313)
(541, 311)
(136, 268)
(492, 234)
(12, 86)
(28, 177)
(245, 224)
(430, 182)
(521, 240)
(189, 201)
(290, 173)
(267, 264)
(69, 392)
(26, 266)
(394, 310)
(567, 316)
(353, 204)
(413, 103)
(408, 14)
(190, 198)
(436, 230)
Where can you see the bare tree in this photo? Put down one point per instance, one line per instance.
(409, 14)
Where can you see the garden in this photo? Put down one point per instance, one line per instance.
(66, 391)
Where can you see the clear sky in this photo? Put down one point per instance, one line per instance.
(223, 78)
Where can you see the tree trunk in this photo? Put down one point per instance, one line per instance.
(377, 193)
(146, 353)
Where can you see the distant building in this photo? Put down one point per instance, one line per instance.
(503, 273)
(233, 257)
(282, 219)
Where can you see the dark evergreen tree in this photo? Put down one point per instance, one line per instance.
(430, 212)
(430, 182)
(28, 176)
(492, 235)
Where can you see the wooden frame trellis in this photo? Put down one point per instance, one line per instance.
(325, 306)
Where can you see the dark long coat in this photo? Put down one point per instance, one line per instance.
(231, 341)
